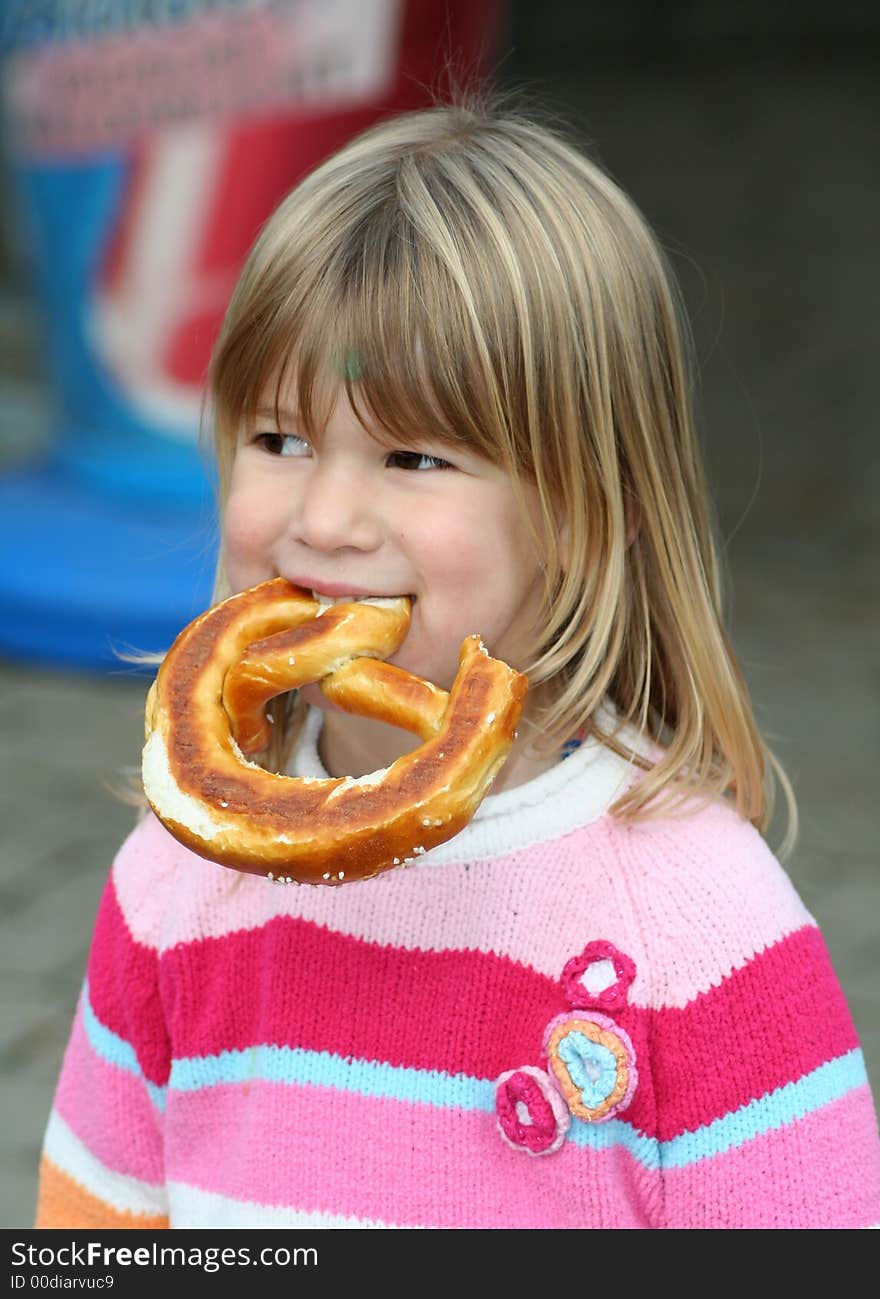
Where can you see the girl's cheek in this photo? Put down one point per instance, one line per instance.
(244, 527)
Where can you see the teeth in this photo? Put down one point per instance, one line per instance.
(327, 601)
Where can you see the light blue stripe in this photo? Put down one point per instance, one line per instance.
(298, 1067)
(291, 1065)
(614, 1134)
(285, 1064)
(115, 1050)
(779, 1108)
(430, 1087)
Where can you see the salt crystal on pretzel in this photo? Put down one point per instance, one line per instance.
(206, 713)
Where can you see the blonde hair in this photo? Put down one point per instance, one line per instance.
(466, 270)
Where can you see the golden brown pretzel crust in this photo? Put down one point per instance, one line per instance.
(205, 711)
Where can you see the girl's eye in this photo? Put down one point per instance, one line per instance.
(283, 444)
(415, 460)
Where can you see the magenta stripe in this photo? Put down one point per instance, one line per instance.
(434, 1168)
(123, 988)
(779, 1017)
(791, 1177)
(328, 992)
(109, 1110)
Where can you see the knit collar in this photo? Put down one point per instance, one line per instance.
(570, 794)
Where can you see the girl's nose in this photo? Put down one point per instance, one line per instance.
(337, 509)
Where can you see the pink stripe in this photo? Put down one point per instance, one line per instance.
(318, 1150)
(515, 900)
(123, 988)
(325, 992)
(794, 1177)
(109, 1110)
(712, 863)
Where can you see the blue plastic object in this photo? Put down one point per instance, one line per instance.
(109, 545)
(84, 575)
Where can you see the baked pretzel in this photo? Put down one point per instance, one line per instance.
(206, 713)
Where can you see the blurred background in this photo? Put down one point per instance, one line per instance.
(138, 163)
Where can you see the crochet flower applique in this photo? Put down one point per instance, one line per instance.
(591, 1065)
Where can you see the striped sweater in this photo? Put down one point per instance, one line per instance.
(552, 1020)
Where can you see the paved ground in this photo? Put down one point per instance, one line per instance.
(763, 183)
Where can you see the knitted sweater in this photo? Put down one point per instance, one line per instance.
(552, 1020)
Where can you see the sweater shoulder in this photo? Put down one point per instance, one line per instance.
(707, 896)
(159, 884)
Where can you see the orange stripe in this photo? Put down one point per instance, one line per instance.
(63, 1202)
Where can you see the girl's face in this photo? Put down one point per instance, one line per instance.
(352, 517)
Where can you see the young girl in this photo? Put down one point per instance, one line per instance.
(452, 370)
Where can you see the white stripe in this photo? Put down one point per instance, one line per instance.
(192, 1207)
(123, 1193)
